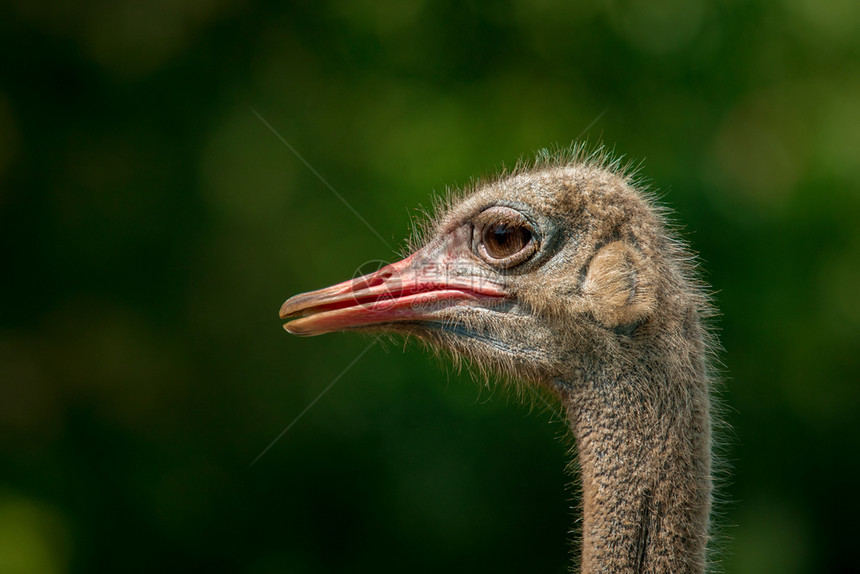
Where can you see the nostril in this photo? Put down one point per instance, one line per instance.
(372, 281)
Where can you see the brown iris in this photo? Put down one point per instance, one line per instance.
(504, 237)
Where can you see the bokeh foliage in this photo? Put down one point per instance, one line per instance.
(151, 225)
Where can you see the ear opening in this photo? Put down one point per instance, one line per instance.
(619, 287)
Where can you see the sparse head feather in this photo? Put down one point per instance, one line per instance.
(610, 270)
(577, 155)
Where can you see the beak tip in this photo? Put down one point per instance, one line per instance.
(298, 331)
(284, 311)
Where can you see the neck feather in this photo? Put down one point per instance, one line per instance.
(643, 441)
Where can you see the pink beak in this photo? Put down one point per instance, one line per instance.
(414, 289)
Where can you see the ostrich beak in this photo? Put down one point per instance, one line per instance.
(414, 289)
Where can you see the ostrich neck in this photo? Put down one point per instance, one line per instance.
(643, 441)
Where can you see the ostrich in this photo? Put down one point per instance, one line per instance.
(563, 274)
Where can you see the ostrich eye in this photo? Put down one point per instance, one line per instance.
(504, 237)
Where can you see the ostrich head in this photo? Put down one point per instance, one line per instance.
(563, 274)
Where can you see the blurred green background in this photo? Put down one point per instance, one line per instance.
(152, 225)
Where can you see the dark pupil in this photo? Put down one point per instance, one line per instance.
(504, 240)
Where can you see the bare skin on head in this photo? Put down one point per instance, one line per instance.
(563, 274)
